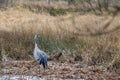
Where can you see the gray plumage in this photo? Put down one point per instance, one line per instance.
(39, 55)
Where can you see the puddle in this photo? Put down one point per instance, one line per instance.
(20, 77)
(23, 77)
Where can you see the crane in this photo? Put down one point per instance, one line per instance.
(39, 55)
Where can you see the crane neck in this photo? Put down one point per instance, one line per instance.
(36, 44)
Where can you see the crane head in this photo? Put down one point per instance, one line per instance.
(35, 37)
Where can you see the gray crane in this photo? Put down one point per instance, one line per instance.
(39, 55)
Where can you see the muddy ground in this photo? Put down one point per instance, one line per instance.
(58, 69)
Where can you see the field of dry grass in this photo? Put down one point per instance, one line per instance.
(89, 38)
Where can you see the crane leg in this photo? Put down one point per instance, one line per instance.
(39, 69)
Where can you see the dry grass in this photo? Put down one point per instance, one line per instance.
(97, 36)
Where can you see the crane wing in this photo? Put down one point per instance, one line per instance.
(40, 55)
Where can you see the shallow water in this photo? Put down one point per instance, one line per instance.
(20, 77)
(23, 77)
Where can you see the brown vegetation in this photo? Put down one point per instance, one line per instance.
(88, 39)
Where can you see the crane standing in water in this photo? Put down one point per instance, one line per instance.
(39, 55)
